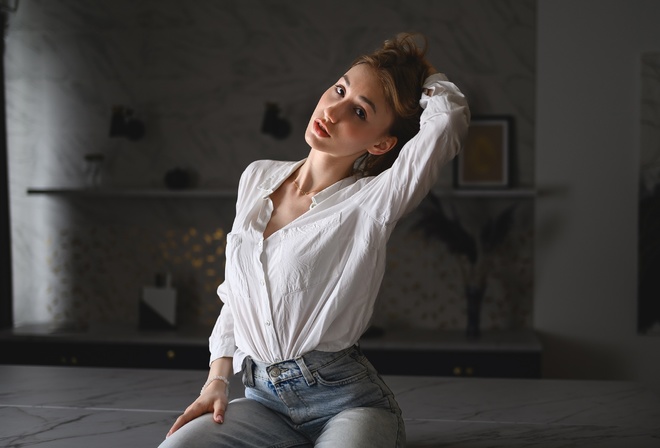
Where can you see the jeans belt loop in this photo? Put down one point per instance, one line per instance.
(248, 372)
(309, 378)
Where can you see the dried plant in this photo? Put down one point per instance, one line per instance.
(472, 251)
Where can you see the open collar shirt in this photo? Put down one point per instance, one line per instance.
(312, 284)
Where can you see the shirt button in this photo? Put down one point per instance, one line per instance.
(268, 323)
(262, 282)
(260, 244)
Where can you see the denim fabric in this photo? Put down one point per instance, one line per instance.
(312, 389)
(322, 399)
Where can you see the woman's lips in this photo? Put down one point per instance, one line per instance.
(320, 129)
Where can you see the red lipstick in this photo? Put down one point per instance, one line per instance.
(320, 129)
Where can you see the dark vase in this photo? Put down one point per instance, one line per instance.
(474, 295)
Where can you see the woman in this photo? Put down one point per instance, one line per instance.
(306, 255)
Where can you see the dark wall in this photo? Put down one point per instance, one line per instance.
(5, 247)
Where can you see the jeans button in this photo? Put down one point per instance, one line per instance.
(275, 372)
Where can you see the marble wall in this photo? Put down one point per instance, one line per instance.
(198, 74)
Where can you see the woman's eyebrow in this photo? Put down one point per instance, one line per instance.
(363, 98)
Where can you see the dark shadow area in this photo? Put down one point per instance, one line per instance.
(6, 317)
(648, 295)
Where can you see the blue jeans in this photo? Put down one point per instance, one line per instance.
(318, 400)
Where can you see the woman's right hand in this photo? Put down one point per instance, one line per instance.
(214, 398)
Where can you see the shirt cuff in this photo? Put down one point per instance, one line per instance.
(224, 347)
(440, 96)
(432, 83)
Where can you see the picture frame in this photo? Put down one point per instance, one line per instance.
(484, 161)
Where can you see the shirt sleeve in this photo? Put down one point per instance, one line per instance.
(443, 127)
(221, 341)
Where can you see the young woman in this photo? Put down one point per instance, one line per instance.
(305, 259)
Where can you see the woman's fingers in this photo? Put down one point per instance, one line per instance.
(193, 411)
(219, 407)
(219, 416)
(182, 420)
(196, 409)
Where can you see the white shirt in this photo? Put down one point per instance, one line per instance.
(312, 284)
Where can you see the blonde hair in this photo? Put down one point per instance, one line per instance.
(401, 67)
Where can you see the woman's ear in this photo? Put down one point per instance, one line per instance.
(383, 146)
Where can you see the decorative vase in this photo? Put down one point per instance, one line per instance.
(93, 169)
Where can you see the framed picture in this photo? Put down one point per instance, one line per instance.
(484, 161)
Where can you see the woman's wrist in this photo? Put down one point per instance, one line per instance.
(211, 379)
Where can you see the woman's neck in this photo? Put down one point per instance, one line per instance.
(318, 173)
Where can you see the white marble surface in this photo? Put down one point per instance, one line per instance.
(71, 407)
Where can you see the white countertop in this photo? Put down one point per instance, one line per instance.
(58, 407)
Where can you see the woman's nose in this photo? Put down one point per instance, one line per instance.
(332, 112)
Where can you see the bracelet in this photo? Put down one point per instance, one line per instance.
(217, 377)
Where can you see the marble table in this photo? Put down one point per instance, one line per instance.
(69, 407)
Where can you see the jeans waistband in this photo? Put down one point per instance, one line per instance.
(304, 366)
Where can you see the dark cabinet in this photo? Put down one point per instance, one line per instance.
(515, 354)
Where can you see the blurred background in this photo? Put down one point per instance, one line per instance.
(129, 123)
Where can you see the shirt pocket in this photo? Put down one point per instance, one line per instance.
(311, 254)
(237, 265)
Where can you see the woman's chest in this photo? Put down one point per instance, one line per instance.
(296, 257)
(283, 210)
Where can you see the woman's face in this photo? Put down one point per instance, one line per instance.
(352, 117)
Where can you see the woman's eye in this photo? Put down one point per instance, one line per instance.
(360, 113)
(339, 90)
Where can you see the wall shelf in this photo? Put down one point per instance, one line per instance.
(513, 193)
(134, 193)
(495, 193)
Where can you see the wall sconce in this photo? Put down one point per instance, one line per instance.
(8, 5)
(273, 124)
(124, 124)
